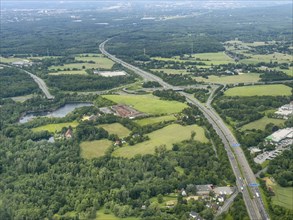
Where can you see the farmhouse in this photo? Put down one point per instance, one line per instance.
(204, 189)
(195, 215)
(68, 134)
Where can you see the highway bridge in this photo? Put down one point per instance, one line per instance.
(242, 171)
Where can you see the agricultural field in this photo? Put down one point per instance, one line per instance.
(168, 135)
(242, 78)
(172, 71)
(94, 149)
(259, 90)
(11, 59)
(55, 127)
(154, 120)
(77, 66)
(289, 71)
(275, 57)
(261, 123)
(148, 103)
(103, 62)
(213, 58)
(117, 129)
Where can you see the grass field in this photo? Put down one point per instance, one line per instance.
(166, 136)
(116, 128)
(289, 72)
(214, 58)
(259, 90)
(154, 120)
(261, 123)
(283, 195)
(94, 149)
(22, 98)
(275, 57)
(75, 65)
(242, 78)
(172, 197)
(71, 72)
(55, 127)
(148, 103)
(101, 216)
(11, 59)
(172, 71)
(103, 62)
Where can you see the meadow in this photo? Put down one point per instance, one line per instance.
(167, 136)
(259, 90)
(55, 127)
(103, 62)
(172, 71)
(102, 216)
(11, 59)
(275, 57)
(154, 120)
(242, 78)
(213, 58)
(22, 98)
(261, 123)
(94, 149)
(148, 103)
(117, 129)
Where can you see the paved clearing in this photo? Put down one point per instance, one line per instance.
(166, 136)
(259, 90)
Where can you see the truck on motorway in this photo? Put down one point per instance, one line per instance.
(257, 195)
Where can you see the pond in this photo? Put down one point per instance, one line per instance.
(58, 113)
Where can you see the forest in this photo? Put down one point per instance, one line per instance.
(14, 82)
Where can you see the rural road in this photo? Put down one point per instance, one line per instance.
(42, 85)
(239, 164)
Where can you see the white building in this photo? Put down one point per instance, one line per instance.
(276, 137)
(285, 110)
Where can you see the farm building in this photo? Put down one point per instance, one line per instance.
(125, 111)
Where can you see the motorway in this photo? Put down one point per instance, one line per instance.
(42, 85)
(244, 175)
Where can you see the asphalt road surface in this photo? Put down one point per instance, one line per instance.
(244, 175)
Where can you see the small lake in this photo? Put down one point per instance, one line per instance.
(58, 113)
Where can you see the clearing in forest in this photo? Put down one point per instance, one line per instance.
(55, 127)
(94, 149)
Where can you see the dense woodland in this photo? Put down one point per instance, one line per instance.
(14, 82)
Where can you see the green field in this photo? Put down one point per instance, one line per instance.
(242, 78)
(70, 72)
(213, 58)
(172, 71)
(55, 127)
(275, 57)
(11, 59)
(22, 98)
(259, 90)
(283, 197)
(261, 123)
(289, 72)
(148, 103)
(74, 65)
(94, 149)
(103, 62)
(154, 120)
(116, 128)
(172, 197)
(166, 136)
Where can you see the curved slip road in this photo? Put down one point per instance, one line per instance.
(239, 164)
